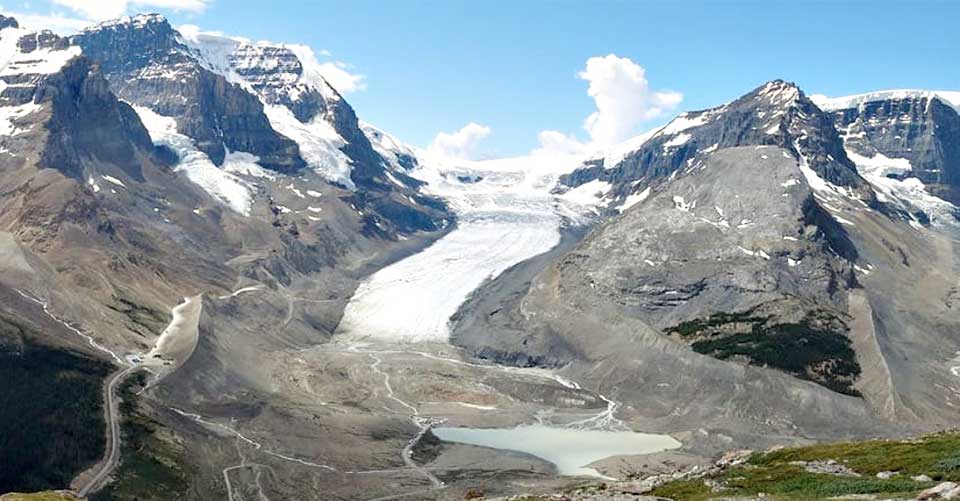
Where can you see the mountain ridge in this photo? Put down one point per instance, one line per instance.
(757, 273)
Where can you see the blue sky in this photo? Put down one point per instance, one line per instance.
(512, 66)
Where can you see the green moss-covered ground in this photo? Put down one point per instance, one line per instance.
(936, 456)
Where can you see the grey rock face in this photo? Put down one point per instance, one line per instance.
(42, 40)
(89, 122)
(776, 114)
(275, 74)
(23, 78)
(86, 122)
(921, 129)
(147, 65)
(720, 301)
(8, 22)
(739, 234)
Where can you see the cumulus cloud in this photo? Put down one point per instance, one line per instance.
(99, 10)
(623, 97)
(624, 101)
(460, 144)
(339, 75)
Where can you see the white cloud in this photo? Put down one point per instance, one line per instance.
(557, 143)
(623, 97)
(624, 100)
(336, 73)
(99, 10)
(460, 144)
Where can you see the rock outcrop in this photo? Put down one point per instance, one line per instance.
(148, 65)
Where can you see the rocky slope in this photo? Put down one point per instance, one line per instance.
(761, 284)
(756, 284)
(133, 175)
(234, 98)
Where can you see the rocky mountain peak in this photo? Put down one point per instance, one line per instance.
(61, 112)
(143, 40)
(285, 79)
(777, 92)
(35, 55)
(127, 22)
(777, 113)
(232, 98)
(277, 74)
(8, 22)
(42, 40)
(148, 65)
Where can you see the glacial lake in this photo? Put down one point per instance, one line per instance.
(571, 450)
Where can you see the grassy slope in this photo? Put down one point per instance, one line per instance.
(937, 456)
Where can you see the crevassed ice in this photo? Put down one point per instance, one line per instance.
(223, 186)
(506, 214)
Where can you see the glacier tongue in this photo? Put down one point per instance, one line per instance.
(506, 215)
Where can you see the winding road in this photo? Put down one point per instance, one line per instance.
(112, 457)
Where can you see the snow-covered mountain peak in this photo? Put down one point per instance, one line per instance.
(25, 55)
(130, 22)
(775, 114)
(298, 101)
(282, 74)
(26, 59)
(950, 98)
(769, 102)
